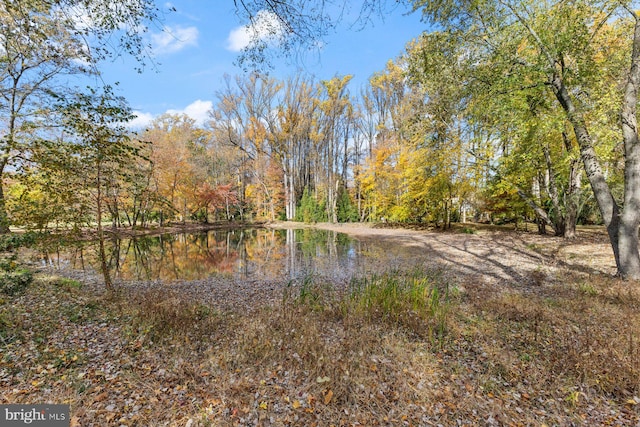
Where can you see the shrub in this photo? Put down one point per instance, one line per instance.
(16, 281)
(13, 241)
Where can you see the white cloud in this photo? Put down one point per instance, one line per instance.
(174, 39)
(266, 27)
(141, 121)
(197, 110)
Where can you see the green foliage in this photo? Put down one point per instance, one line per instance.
(346, 211)
(15, 281)
(66, 283)
(13, 241)
(468, 230)
(502, 201)
(417, 301)
(587, 289)
(44, 43)
(309, 210)
(314, 295)
(450, 123)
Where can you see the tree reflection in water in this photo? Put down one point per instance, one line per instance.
(239, 253)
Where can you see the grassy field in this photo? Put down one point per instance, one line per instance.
(400, 348)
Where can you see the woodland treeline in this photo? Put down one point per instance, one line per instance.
(505, 111)
(434, 137)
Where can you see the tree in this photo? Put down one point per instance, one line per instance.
(437, 72)
(295, 26)
(384, 107)
(220, 198)
(293, 139)
(44, 41)
(334, 128)
(175, 176)
(245, 120)
(100, 151)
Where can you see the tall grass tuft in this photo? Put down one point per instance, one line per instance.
(418, 301)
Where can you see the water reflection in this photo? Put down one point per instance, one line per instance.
(245, 254)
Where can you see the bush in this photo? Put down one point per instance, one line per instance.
(347, 212)
(66, 283)
(13, 278)
(16, 281)
(12, 241)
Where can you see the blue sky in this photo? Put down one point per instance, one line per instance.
(199, 44)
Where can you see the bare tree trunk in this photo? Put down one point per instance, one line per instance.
(629, 264)
(552, 189)
(289, 194)
(103, 255)
(609, 209)
(292, 197)
(540, 213)
(572, 201)
(334, 202)
(572, 196)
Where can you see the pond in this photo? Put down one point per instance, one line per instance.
(270, 254)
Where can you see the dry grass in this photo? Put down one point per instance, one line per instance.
(393, 349)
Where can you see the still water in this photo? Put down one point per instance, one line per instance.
(240, 253)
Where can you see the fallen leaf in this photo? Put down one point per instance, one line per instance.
(296, 404)
(264, 405)
(327, 397)
(310, 400)
(321, 380)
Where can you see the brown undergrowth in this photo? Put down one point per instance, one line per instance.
(400, 348)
